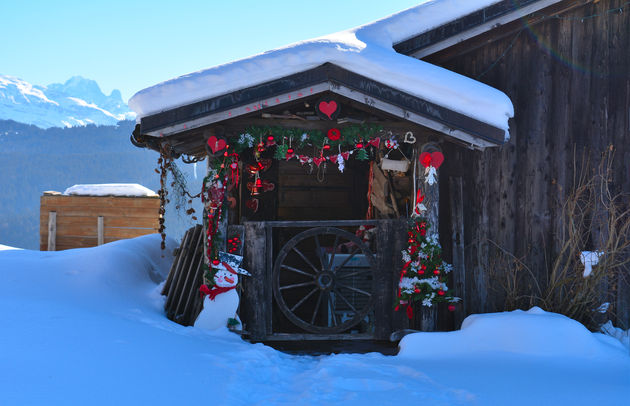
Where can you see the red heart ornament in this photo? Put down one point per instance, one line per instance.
(268, 186)
(318, 161)
(232, 202)
(290, 155)
(345, 155)
(303, 159)
(252, 204)
(328, 108)
(375, 142)
(436, 159)
(216, 144)
(333, 158)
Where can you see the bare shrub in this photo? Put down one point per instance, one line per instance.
(593, 219)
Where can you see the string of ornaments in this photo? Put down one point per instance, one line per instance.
(424, 275)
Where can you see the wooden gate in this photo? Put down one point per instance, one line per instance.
(315, 280)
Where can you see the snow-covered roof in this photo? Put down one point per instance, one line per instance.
(110, 189)
(366, 50)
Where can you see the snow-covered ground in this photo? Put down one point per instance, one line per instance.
(86, 327)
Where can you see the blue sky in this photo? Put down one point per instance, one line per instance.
(129, 45)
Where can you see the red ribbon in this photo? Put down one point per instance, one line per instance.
(214, 292)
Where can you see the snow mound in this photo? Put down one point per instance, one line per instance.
(534, 333)
(110, 189)
(6, 248)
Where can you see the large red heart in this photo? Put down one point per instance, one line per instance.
(252, 204)
(328, 108)
(375, 142)
(433, 159)
(333, 158)
(216, 144)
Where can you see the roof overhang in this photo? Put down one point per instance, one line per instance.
(469, 26)
(327, 77)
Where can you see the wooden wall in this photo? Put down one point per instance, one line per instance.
(77, 219)
(569, 81)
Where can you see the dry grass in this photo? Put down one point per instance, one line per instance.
(593, 219)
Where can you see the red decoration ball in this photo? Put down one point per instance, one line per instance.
(436, 272)
(270, 138)
(360, 145)
(215, 262)
(326, 147)
(416, 290)
(290, 151)
(333, 134)
(451, 308)
(441, 292)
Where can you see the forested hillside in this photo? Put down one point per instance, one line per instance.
(33, 160)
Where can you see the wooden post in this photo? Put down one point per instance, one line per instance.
(457, 235)
(255, 307)
(52, 231)
(428, 315)
(100, 231)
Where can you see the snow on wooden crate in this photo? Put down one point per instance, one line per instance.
(90, 215)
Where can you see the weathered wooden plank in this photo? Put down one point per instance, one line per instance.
(457, 237)
(255, 309)
(86, 211)
(299, 213)
(52, 231)
(146, 222)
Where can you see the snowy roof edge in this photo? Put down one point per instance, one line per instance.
(366, 50)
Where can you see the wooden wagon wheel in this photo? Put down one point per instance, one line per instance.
(313, 277)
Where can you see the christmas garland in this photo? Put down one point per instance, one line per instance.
(424, 275)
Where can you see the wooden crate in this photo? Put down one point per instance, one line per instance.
(88, 221)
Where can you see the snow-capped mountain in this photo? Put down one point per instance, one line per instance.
(77, 102)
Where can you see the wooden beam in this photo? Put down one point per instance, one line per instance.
(100, 232)
(465, 28)
(52, 230)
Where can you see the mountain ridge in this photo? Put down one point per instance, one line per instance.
(77, 102)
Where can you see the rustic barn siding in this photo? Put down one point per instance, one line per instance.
(77, 219)
(569, 80)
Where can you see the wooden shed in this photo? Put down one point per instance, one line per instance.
(485, 192)
(84, 220)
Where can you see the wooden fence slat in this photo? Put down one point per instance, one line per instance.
(125, 222)
(52, 230)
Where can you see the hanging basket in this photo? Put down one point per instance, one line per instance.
(397, 165)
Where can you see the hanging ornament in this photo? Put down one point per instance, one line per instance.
(362, 155)
(270, 140)
(318, 161)
(252, 204)
(333, 134)
(327, 108)
(409, 138)
(303, 159)
(375, 142)
(215, 146)
(391, 143)
(257, 185)
(341, 162)
(431, 162)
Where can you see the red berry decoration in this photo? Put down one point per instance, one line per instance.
(451, 308)
(441, 292)
(359, 145)
(333, 134)
(326, 147)
(215, 262)
(436, 272)
(270, 138)
(290, 151)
